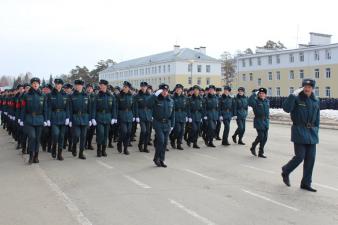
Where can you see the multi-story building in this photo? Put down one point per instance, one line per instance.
(282, 71)
(181, 65)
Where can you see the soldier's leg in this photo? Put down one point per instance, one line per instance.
(300, 150)
(143, 136)
(60, 141)
(105, 138)
(75, 138)
(110, 136)
(226, 130)
(263, 140)
(241, 131)
(99, 138)
(89, 137)
(173, 135)
(83, 134)
(165, 133)
(211, 132)
(180, 133)
(158, 143)
(127, 137)
(30, 131)
(38, 131)
(218, 129)
(309, 161)
(55, 139)
(49, 139)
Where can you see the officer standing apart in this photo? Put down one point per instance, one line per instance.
(227, 106)
(241, 112)
(260, 106)
(163, 123)
(103, 114)
(304, 109)
(33, 118)
(79, 112)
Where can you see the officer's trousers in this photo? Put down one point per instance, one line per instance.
(240, 128)
(102, 131)
(194, 130)
(178, 132)
(125, 132)
(261, 139)
(145, 132)
(162, 131)
(79, 133)
(218, 128)
(58, 134)
(226, 123)
(306, 153)
(34, 135)
(68, 137)
(90, 135)
(211, 130)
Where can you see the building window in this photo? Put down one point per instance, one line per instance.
(316, 55)
(301, 74)
(277, 91)
(259, 81)
(328, 73)
(189, 67)
(269, 91)
(243, 62)
(270, 76)
(291, 89)
(278, 59)
(317, 91)
(208, 80)
(251, 77)
(292, 58)
(317, 73)
(250, 62)
(270, 59)
(168, 68)
(163, 68)
(244, 77)
(159, 69)
(199, 68)
(259, 61)
(207, 68)
(189, 80)
(301, 56)
(328, 54)
(278, 75)
(199, 81)
(291, 75)
(328, 92)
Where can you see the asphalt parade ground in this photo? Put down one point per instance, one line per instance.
(222, 185)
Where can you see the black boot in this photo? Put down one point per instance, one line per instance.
(99, 153)
(240, 142)
(81, 155)
(225, 142)
(211, 144)
(60, 157)
(140, 147)
(18, 146)
(54, 151)
(157, 162)
(163, 164)
(172, 143)
(74, 153)
(188, 143)
(36, 158)
(234, 138)
(307, 188)
(261, 153)
(253, 149)
(90, 146)
(104, 153)
(125, 151)
(24, 149)
(31, 158)
(146, 150)
(119, 147)
(286, 179)
(195, 145)
(70, 147)
(110, 145)
(179, 146)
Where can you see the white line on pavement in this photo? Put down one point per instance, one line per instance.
(199, 174)
(206, 156)
(71, 206)
(191, 212)
(326, 186)
(270, 200)
(137, 182)
(104, 164)
(258, 169)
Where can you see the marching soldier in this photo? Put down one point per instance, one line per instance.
(143, 116)
(46, 135)
(195, 115)
(260, 105)
(24, 136)
(103, 114)
(91, 128)
(219, 122)
(68, 139)
(125, 115)
(241, 112)
(79, 113)
(181, 108)
(163, 123)
(33, 118)
(211, 115)
(227, 106)
(58, 115)
(304, 109)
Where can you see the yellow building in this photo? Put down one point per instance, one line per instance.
(282, 71)
(179, 66)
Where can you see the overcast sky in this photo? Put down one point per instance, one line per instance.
(52, 37)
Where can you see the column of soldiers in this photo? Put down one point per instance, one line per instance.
(64, 116)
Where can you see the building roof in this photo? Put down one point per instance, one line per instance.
(182, 54)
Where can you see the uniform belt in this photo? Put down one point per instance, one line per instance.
(79, 113)
(58, 110)
(35, 113)
(212, 109)
(307, 125)
(178, 110)
(101, 111)
(126, 110)
(226, 110)
(144, 108)
(163, 120)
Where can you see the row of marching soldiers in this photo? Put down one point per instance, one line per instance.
(55, 117)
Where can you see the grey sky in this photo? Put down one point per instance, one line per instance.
(45, 36)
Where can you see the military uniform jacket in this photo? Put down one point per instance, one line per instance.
(241, 106)
(305, 115)
(34, 108)
(104, 107)
(261, 109)
(79, 108)
(196, 111)
(125, 107)
(142, 106)
(226, 107)
(163, 110)
(58, 111)
(181, 107)
(211, 107)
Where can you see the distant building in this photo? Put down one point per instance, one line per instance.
(181, 65)
(281, 71)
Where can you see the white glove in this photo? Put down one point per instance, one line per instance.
(70, 124)
(90, 123)
(94, 122)
(221, 118)
(21, 124)
(190, 120)
(158, 92)
(296, 92)
(205, 117)
(13, 117)
(112, 121)
(45, 124)
(234, 117)
(137, 120)
(67, 122)
(48, 123)
(133, 119)
(19, 121)
(171, 129)
(256, 92)
(6, 113)
(115, 120)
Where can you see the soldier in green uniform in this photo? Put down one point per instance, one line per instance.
(91, 128)
(33, 118)
(58, 116)
(103, 114)
(260, 106)
(46, 134)
(241, 112)
(227, 106)
(219, 122)
(79, 113)
(125, 115)
(211, 115)
(24, 136)
(68, 140)
(181, 117)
